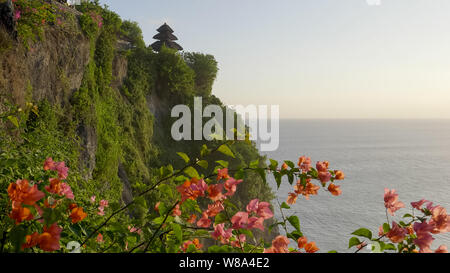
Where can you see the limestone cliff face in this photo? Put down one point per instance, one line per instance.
(51, 69)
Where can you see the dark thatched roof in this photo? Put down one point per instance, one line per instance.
(165, 36)
(165, 28)
(158, 44)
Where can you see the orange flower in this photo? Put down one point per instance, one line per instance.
(192, 219)
(31, 240)
(49, 239)
(20, 214)
(197, 244)
(157, 207)
(22, 192)
(222, 174)
(55, 186)
(339, 175)
(335, 190)
(215, 192)
(284, 166)
(302, 241)
(292, 198)
(77, 215)
(310, 189)
(311, 247)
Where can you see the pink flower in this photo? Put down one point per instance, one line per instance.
(279, 245)
(255, 222)
(215, 208)
(101, 211)
(17, 15)
(440, 220)
(204, 222)
(221, 234)
(239, 220)
(49, 164)
(325, 176)
(231, 185)
(239, 241)
(418, 205)
(67, 191)
(176, 211)
(62, 170)
(100, 238)
(222, 174)
(441, 249)
(396, 234)
(104, 203)
(260, 208)
(391, 201)
(93, 199)
(322, 166)
(252, 205)
(134, 230)
(424, 238)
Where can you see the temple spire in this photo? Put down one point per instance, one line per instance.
(165, 37)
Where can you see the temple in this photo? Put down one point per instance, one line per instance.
(165, 37)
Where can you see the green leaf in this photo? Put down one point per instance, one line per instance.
(14, 121)
(364, 232)
(353, 242)
(166, 190)
(178, 232)
(220, 218)
(222, 163)
(332, 251)
(277, 177)
(285, 206)
(254, 164)
(295, 222)
(386, 227)
(224, 149)
(192, 172)
(273, 164)
(247, 232)
(294, 235)
(203, 164)
(262, 173)
(408, 215)
(184, 156)
(289, 163)
(390, 247)
(239, 174)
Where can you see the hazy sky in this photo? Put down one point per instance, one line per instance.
(316, 58)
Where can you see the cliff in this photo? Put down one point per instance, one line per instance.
(104, 100)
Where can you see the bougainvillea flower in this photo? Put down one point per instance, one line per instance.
(239, 220)
(279, 245)
(192, 219)
(93, 199)
(252, 206)
(325, 176)
(256, 222)
(441, 249)
(55, 186)
(104, 203)
(204, 222)
(310, 189)
(292, 198)
(284, 166)
(77, 215)
(334, 190)
(304, 163)
(176, 211)
(20, 214)
(215, 208)
(440, 220)
(215, 192)
(99, 238)
(22, 192)
(31, 240)
(157, 206)
(62, 170)
(418, 205)
(231, 186)
(101, 211)
(301, 242)
(391, 201)
(424, 238)
(311, 247)
(49, 164)
(397, 234)
(239, 242)
(339, 175)
(184, 247)
(135, 230)
(191, 189)
(67, 191)
(49, 239)
(221, 234)
(222, 174)
(322, 166)
(264, 210)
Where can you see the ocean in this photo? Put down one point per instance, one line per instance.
(410, 156)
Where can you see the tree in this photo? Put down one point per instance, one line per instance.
(205, 68)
